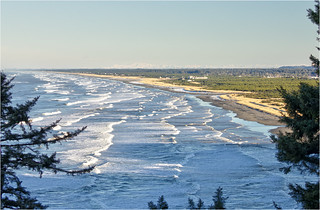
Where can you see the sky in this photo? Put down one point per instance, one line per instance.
(153, 34)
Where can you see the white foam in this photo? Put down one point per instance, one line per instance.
(142, 117)
(125, 117)
(61, 99)
(37, 119)
(191, 128)
(171, 105)
(74, 103)
(90, 101)
(177, 169)
(172, 127)
(207, 121)
(218, 135)
(107, 137)
(196, 151)
(58, 127)
(92, 160)
(96, 170)
(174, 140)
(51, 113)
(129, 110)
(169, 165)
(210, 113)
(109, 106)
(55, 88)
(79, 119)
(100, 145)
(63, 92)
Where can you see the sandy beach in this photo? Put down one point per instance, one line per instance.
(246, 108)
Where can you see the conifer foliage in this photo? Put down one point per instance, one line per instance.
(20, 148)
(193, 206)
(300, 148)
(161, 204)
(313, 15)
(218, 202)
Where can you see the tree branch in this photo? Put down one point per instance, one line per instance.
(56, 139)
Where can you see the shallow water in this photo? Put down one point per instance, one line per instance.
(146, 143)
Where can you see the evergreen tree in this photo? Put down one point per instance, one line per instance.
(191, 203)
(20, 148)
(192, 206)
(300, 148)
(313, 15)
(218, 200)
(161, 204)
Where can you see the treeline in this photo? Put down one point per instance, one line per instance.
(295, 72)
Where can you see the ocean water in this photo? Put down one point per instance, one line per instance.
(146, 143)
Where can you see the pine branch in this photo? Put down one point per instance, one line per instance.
(8, 136)
(18, 114)
(56, 139)
(72, 172)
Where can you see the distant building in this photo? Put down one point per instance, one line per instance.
(313, 77)
(195, 77)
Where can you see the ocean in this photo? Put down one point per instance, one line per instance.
(146, 143)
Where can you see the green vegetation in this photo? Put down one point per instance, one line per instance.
(259, 87)
(21, 148)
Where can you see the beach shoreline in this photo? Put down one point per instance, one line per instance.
(215, 97)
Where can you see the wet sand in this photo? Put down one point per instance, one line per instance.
(248, 113)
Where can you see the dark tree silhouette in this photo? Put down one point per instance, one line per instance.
(20, 143)
(161, 204)
(218, 200)
(192, 206)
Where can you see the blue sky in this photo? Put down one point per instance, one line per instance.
(150, 34)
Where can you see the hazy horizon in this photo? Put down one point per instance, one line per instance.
(191, 68)
(155, 35)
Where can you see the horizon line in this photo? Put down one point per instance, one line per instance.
(156, 68)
